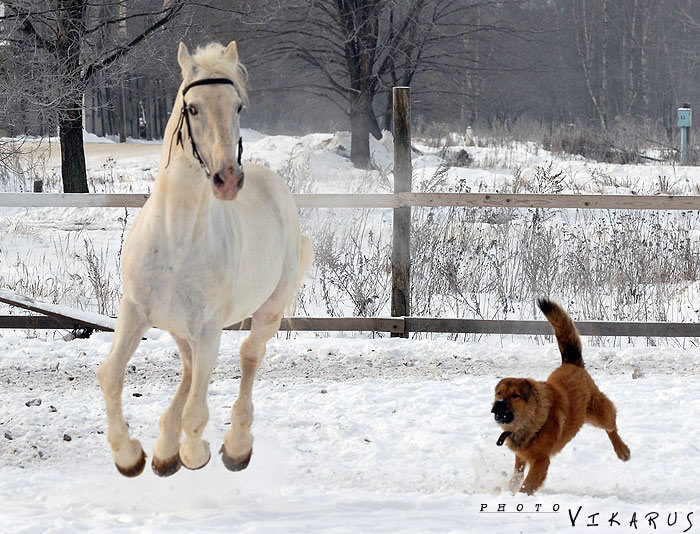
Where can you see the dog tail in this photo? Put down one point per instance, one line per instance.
(565, 331)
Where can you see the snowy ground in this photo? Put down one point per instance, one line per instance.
(353, 434)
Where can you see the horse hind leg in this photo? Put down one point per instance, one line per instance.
(166, 457)
(127, 453)
(238, 441)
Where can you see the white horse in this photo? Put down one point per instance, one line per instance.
(205, 252)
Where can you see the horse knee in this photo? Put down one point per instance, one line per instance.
(110, 379)
(252, 350)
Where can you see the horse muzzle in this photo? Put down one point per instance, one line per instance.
(227, 183)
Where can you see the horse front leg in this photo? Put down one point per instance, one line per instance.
(194, 451)
(166, 457)
(238, 441)
(131, 325)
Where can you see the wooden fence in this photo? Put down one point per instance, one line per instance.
(401, 202)
(387, 201)
(401, 325)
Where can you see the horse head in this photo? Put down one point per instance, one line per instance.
(213, 94)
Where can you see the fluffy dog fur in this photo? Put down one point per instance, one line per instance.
(540, 418)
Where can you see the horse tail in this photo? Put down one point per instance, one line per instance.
(564, 330)
(306, 256)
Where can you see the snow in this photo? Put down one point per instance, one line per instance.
(352, 435)
(354, 432)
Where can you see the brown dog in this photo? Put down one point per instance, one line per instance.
(540, 418)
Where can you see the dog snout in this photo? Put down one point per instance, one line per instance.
(499, 406)
(503, 413)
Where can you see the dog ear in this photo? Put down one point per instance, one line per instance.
(527, 388)
(500, 383)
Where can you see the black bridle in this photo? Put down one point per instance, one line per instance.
(185, 119)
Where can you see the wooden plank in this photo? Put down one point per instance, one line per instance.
(636, 329)
(386, 201)
(96, 321)
(414, 324)
(476, 326)
(334, 324)
(75, 200)
(503, 200)
(65, 314)
(37, 322)
(585, 328)
(401, 229)
(299, 324)
(339, 200)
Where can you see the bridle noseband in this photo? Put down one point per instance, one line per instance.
(185, 119)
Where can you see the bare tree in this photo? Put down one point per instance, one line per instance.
(591, 28)
(58, 40)
(358, 49)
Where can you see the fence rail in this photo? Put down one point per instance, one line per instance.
(387, 201)
(399, 325)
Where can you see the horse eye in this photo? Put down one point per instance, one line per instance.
(192, 110)
(515, 396)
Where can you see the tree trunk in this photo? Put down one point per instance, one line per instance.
(104, 107)
(584, 44)
(362, 123)
(360, 22)
(73, 171)
(89, 111)
(122, 113)
(388, 117)
(644, 38)
(604, 91)
(359, 140)
(632, 51)
(71, 26)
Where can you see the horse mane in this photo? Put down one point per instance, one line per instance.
(211, 58)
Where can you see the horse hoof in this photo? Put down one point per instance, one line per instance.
(165, 468)
(136, 469)
(234, 464)
(194, 468)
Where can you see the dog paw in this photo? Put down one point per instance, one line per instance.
(624, 454)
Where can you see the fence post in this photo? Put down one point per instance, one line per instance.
(401, 242)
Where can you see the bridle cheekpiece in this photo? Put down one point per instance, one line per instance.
(185, 120)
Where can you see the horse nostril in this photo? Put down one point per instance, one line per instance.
(240, 180)
(217, 179)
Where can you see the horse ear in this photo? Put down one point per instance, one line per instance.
(231, 52)
(185, 60)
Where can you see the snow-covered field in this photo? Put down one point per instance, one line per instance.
(353, 433)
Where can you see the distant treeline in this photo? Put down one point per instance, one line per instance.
(316, 66)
